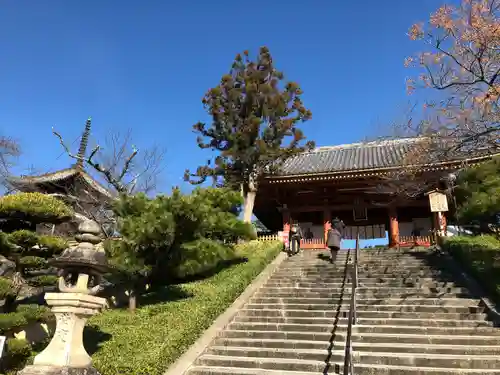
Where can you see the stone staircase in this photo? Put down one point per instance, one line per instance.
(412, 318)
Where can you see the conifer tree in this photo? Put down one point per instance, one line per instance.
(478, 195)
(254, 128)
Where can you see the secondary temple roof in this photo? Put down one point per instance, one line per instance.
(67, 176)
(29, 183)
(354, 157)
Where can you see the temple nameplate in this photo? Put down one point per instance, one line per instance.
(438, 202)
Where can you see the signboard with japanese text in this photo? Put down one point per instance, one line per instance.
(438, 202)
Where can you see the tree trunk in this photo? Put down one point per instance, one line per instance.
(132, 300)
(250, 194)
(249, 202)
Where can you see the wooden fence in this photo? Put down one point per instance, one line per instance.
(269, 237)
(408, 241)
(313, 243)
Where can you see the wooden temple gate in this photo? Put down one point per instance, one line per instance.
(350, 182)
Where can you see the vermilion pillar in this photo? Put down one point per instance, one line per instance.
(441, 224)
(286, 220)
(393, 227)
(327, 223)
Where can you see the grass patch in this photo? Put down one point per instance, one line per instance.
(147, 342)
(480, 257)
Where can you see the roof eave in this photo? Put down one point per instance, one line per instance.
(47, 177)
(371, 172)
(60, 176)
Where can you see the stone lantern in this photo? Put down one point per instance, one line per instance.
(81, 268)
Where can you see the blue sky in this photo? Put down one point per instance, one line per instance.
(146, 66)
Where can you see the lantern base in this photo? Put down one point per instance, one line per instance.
(55, 370)
(66, 350)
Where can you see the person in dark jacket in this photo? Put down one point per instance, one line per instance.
(294, 237)
(334, 237)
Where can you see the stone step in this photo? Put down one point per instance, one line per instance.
(324, 262)
(361, 314)
(363, 279)
(395, 272)
(279, 364)
(277, 353)
(390, 338)
(305, 365)
(360, 370)
(424, 360)
(372, 369)
(364, 266)
(326, 266)
(359, 346)
(368, 321)
(399, 269)
(386, 358)
(366, 328)
(361, 289)
(367, 307)
(318, 259)
(215, 370)
(334, 300)
(361, 293)
(370, 283)
(462, 350)
(271, 343)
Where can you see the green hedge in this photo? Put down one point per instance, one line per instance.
(23, 315)
(34, 207)
(6, 288)
(17, 354)
(202, 256)
(480, 257)
(31, 262)
(24, 238)
(147, 342)
(43, 280)
(19, 351)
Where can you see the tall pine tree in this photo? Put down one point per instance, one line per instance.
(255, 119)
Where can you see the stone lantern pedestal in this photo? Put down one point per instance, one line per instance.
(81, 269)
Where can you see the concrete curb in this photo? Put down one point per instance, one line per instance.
(183, 364)
(473, 285)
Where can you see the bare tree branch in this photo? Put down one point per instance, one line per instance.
(125, 174)
(9, 152)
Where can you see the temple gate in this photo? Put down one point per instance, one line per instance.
(350, 182)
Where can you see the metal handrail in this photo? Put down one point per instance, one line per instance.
(353, 269)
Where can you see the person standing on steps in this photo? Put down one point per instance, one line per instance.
(294, 237)
(334, 237)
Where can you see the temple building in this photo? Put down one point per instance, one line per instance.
(73, 185)
(356, 183)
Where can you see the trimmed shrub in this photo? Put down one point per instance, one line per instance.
(202, 256)
(24, 238)
(53, 245)
(32, 262)
(44, 280)
(34, 207)
(36, 313)
(6, 288)
(24, 315)
(12, 321)
(17, 353)
(479, 256)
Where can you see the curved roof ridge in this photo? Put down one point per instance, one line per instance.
(370, 155)
(375, 143)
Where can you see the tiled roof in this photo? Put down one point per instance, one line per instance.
(61, 175)
(350, 158)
